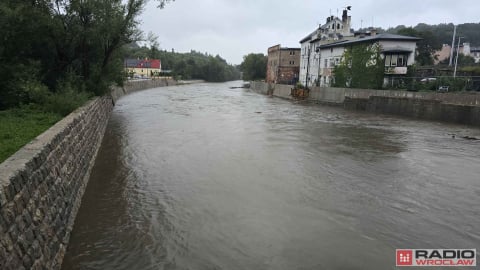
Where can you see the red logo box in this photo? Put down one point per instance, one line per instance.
(404, 257)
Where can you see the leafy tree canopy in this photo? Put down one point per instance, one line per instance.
(254, 66)
(361, 67)
(48, 42)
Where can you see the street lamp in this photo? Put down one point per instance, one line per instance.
(456, 59)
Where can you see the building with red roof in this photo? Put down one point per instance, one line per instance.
(144, 68)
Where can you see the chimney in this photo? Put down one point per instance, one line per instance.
(344, 16)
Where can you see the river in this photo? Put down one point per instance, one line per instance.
(204, 176)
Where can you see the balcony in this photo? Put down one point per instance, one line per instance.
(396, 70)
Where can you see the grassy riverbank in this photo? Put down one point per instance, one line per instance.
(20, 126)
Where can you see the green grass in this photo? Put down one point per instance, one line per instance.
(20, 126)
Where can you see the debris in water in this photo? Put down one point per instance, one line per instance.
(470, 138)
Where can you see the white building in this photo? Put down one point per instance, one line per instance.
(334, 30)
(397, 51)
(323, 49)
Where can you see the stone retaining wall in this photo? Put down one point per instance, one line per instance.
(417, 108)
(42, 184)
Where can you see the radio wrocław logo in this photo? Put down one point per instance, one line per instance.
(436, 257)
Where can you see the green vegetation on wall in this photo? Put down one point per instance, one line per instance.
(361, 67)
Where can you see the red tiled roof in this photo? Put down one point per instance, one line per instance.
(149, 63)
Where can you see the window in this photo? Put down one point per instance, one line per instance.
(292, 53)
(326, 62)
(292, 62)
(393, 63)
(396, 60)
(388, 58)
(401, 61)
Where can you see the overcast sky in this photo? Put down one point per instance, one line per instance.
(234, 28)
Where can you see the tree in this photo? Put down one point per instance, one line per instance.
(48, 42)
(361, 67)
(254, 66)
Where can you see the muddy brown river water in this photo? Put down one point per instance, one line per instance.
(207, 177)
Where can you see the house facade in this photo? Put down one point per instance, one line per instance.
(334, 30)
(144, 68)
(398, 52)
(283, 65)
(323, 49)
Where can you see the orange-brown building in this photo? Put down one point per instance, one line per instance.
(283, 65)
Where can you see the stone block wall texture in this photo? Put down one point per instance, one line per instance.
(41, 186)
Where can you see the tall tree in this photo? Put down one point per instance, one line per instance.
(254, 66)
(46, 42)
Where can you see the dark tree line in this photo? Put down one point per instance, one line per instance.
(53, 46)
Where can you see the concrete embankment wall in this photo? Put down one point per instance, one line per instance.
(42, 184)
(417, 108)
(463, 108)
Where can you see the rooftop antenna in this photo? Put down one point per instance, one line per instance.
(361, 24)
(337, 12)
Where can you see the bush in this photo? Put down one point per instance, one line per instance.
(65, 102)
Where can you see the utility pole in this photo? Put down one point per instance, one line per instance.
(456, 59)
(308, 66)
(453, 45)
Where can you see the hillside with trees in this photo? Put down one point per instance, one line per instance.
(191, 65)
(443, 33)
